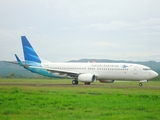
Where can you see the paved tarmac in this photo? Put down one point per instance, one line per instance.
(79, 85)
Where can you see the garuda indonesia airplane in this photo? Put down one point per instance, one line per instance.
(84, 72)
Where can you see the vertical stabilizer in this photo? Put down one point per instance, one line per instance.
(30, 55)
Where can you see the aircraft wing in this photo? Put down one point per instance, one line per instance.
(62, 72)
(68, 73)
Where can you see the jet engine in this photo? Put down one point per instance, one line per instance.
(86, 78)
(106, 81)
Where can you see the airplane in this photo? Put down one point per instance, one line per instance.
(84, 72)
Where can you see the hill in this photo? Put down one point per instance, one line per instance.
(6, 69)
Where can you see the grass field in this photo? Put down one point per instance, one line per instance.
(33, 99)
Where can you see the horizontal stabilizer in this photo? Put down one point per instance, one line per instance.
(13, 62)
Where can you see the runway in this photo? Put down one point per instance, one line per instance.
(33, 84)
(79, 85)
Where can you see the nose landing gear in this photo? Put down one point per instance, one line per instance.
(142, 81)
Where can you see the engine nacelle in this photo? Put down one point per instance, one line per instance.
(106, 81)
(86, 78)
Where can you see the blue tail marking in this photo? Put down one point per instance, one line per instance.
(30, 55)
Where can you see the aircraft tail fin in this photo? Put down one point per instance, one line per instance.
(30, 56)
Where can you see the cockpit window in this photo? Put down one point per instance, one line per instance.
(146, 69)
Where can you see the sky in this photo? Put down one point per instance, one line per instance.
(63, 30)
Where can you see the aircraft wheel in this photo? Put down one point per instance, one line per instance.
(140, 84)
(87, 83)
(74, 82)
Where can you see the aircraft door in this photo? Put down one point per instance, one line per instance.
(135, 70)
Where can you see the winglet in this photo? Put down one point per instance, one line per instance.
(30, 55)
(18, 60)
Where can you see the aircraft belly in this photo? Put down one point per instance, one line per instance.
(114, 75)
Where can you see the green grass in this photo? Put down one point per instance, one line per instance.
(121, 100)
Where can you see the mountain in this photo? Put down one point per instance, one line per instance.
(7, 69)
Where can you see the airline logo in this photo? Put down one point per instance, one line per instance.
(124, 66)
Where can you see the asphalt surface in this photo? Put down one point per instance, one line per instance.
(79, 85)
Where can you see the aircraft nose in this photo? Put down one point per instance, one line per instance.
(154, 74)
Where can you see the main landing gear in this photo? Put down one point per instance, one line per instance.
(75, 82)
(140, 84)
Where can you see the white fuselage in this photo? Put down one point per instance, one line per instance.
(105, 71)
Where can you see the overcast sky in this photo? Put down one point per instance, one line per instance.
(62, 30)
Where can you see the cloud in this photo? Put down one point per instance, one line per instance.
(152, 23)
(115, 25)
(78, 29)
(103, 44)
